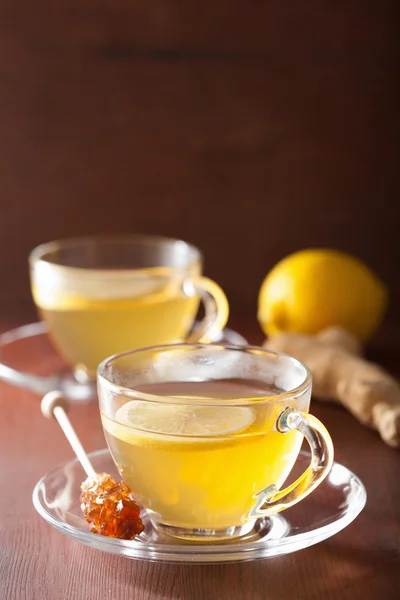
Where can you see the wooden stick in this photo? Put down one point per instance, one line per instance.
(55, 405)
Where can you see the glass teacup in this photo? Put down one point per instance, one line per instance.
(206, 435)
(104, 295)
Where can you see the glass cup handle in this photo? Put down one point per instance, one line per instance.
(271, 500)
(216, 307)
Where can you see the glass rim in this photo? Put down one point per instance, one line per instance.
(281, 397)
(37, 255)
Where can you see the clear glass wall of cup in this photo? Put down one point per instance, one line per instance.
(103, 295)
(206, 435)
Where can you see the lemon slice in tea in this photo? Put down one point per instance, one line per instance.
(184, 420)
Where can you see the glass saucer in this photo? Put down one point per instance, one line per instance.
(328, 510)
(29, 360)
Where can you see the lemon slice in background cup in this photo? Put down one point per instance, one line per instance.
(314, 289)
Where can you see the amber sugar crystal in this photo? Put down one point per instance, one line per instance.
(109, 508)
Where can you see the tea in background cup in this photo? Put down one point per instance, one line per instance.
(104, 295)
(205, 436)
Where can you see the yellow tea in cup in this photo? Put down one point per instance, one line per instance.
(206, 435)
(179, 462)
(87, 328)
(102, 296)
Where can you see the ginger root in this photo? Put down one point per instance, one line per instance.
(340, 374)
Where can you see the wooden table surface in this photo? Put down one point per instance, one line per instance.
(37, 562)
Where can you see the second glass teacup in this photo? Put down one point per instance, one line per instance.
(104, 295)
(206, 435)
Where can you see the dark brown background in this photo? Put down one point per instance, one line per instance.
(249, 128)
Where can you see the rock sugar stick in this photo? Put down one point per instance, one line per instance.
(108, 505)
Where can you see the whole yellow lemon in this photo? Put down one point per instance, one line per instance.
(313, 289)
